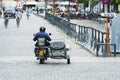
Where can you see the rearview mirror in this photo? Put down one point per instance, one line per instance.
(33, 34)
(50, 34)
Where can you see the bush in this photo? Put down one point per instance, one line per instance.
(41, 10)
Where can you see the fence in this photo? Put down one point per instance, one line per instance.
(86, 36)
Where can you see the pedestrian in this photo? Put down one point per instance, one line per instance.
(37, 10)
(28, 14)
(0, 13)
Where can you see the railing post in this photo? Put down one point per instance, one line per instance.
(95, 34)
(97, 50)
(102, 40)
(92, 37)
(78, 33)
(114, 49)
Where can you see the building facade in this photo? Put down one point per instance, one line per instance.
(18, 2)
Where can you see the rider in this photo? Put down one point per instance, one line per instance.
(5, 15)
(0, 13)
(42, 34)
(18, 15)
(28, 13)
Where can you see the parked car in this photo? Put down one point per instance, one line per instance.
(10, 11)
(110, 15)
(102, 17)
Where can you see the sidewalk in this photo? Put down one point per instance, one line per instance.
(89, 23)
(85, 22)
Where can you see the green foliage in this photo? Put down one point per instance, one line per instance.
(41, 10)
(82, 1)
(117, 1)
(93, 2)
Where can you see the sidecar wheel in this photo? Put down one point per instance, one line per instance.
(41, 61)
(68, 61)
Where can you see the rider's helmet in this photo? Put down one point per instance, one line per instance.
(42, 29)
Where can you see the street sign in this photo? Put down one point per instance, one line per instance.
(105, 1)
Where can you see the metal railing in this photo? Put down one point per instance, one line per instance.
(82, 34)
(105, 45)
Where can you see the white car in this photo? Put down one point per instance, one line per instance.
(110, 16)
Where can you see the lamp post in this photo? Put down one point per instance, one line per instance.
(53, 7)
(107, 47)
(0, 3)
(97, 6)
(45, 3)
(69, 11)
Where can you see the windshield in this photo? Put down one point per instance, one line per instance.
(9, 11)
(9, 8)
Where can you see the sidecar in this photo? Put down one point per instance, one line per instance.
(59, 50)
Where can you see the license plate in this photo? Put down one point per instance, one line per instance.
(41, 53)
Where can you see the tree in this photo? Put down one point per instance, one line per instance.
(82, 1)
(93, 2)
(115, 3)
(85, 2)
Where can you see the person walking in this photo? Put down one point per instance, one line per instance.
(18, 16)
(0, 13)
(28, 14)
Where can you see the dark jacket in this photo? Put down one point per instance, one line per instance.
(5, 15)
(42, 35)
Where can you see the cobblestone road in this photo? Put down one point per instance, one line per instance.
(17, 61)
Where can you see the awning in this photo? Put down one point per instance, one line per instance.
(63, 3)
(41, 3)
(31, 3)
(67, 3)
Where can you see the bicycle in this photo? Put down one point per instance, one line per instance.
(6, 21)
(18, 21)
(28, 16)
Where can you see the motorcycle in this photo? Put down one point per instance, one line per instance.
(56, 50)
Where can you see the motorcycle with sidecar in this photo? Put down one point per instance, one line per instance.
(57, 50)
